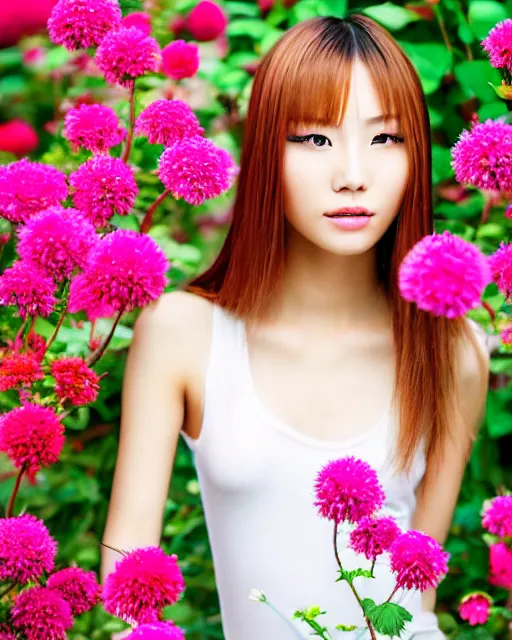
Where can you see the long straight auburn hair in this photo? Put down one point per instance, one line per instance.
(305, 78)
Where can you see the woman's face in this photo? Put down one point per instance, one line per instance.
(359, 164)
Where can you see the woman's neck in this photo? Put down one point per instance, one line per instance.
(331, 290)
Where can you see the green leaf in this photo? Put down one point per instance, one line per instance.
(250, 27)
(346, 627)
(483, 15)
(431, 60)
(242, 9)
(474, 77)
(391, 16)
(306, 9)
(388, 618)
(355, 573)
(499, 412)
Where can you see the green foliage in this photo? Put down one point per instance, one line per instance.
(388, 618)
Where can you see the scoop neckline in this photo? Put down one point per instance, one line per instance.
(286, 429)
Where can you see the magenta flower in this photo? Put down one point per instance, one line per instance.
(40, 613)
(75, 381)
(497, 45)
(194, 169)
(207, 21)
(482, 156)
(347, 489)
(418, 561)
(167, 121)
(506, 336)
(103, 186)
(19, 369)
(36, 345)
(26, 286)
(27, 549)
(497, 517)
(126, 271)
(94, 127)
(475, 608)
(138, 19)
(27, 187)
(156, 631)
(32, 436)
(500, 565)
(58, 241)
(500, 264)
(6, 633)
(142, 583)
(79, 588)
(374, 536)
(127, 54)
(180, 59)
(444, 274)
(80, 24)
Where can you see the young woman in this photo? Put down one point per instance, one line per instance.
(295, 347)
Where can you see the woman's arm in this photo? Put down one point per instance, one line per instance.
(151, 418)
(438, 492)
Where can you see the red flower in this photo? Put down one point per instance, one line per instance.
(18, 137)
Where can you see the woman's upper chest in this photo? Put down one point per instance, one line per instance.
(326, 385)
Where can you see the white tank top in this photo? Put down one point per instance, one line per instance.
(256, 477)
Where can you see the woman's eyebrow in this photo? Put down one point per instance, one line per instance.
(381, 118)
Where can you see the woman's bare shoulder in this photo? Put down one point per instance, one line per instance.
(178, 310)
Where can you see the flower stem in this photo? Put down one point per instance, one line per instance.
(56, 330)
(10, 507)
(21, 329)
(129, 138)
(442, 27)
(93, 358)
(351, 585)
(146, 223)
(491, 313)
(6, 591)
(392, 593)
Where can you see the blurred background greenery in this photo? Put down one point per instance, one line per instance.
(39, 82)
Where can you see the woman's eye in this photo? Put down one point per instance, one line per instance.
(394, 139)
(313, 139)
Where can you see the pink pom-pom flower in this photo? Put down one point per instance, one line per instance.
(79, 588)
(94, 127)
(102, 187)
(126, 271)
(481, 157)
(194, 169)
(506, 336)
(27, 550)
(138, 19)
(348, 489)
(40, 613)
(500, 565)
(418, 561)
(19, 369)
(32, 436)
(75, 381)
(157, 631)
(27, 287)
(27, 187)
(497, 517)
(6, 633)
(373, 536)
(167, 121)
(475, 608)
(207, 21)
(500, 264)
(180, 59)
(18, 137)
(80, 24)
(142, 583)
(444, 275)
(58, 241)
(127, 54)
(497, 45)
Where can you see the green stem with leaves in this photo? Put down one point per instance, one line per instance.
(351, 584)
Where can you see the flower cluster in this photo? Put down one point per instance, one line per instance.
(497, 517)
(126, 270)
(497, 45)
(167, 121)
(80, 24)
(475, 608)
(19, 369)
(373, 536)
(144, 581)
(180, 59)
(27, 187)
(26, 286)
(94, 127)
(500, 264)
(75, 381)
(157, 631)
(444, 274)
(482, 157)
(418, 561)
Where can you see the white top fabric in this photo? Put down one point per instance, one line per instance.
(256, 477)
